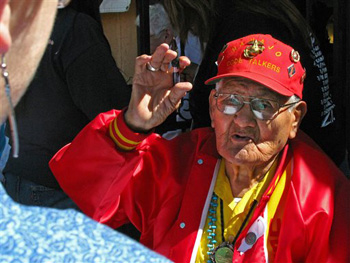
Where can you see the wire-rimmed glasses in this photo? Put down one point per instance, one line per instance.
(263, 109)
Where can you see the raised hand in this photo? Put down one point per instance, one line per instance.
(154, 97)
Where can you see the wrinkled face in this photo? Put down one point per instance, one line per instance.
(242, 139)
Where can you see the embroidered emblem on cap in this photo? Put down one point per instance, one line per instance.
(291, 70)
(294, 55)
(256, 47)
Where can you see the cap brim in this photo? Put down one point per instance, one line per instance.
(268, 82)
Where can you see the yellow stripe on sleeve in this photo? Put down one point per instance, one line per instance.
(121, 146)
(116, 129)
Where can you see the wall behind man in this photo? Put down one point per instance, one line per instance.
(121, 32)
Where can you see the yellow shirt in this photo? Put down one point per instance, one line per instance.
(235, 210)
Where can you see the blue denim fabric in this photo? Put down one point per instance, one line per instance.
(28, 193)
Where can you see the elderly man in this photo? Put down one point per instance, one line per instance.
(250, 189)
(36, 234)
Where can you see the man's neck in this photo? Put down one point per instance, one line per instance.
(242, 178)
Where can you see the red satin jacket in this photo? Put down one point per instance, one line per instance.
(163, 185)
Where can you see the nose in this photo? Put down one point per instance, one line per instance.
(245, 116)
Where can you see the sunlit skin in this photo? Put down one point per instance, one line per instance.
(25, 28)
(249, 145)
(153, 96)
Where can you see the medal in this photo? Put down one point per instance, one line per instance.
(223, 253)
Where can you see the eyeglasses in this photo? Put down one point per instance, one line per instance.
(263, 109)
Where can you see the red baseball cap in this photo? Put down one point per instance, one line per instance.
(265, 60)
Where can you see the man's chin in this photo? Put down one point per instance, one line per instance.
(239, 156)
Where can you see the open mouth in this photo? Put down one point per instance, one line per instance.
(242, 138)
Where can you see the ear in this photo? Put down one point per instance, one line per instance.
(298, 114)
(212, 105)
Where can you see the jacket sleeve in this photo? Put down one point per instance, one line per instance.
(94, 172)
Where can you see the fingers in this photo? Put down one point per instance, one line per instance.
(162, 56)
(178, 92)
(160, 59)
(141, 62)
(184, 62)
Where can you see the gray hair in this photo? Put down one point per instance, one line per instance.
(158, 20)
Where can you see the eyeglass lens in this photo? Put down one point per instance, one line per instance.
(262, 109)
